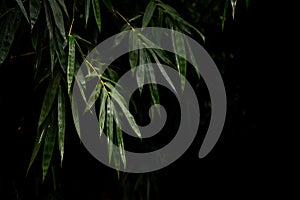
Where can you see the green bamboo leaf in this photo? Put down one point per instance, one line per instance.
(109, 6)
(51, 35)
(48, 147)
(133, 54)
(167, 8)
(148, 13)
(161, 69)
(58, 17)
(61, 114)
(34, 8)
(153, 86)
(21, 6)
(109, 127)
(116, 97)
(62, 4)
(140, 73)
(38, 142)
(179, 50)
(120, 141)
(60, 53)
(49, 98)
(76, 117)
(71, 62)
(9, 27)
(97, 14)
(93, 97)
(87, 11)
(79, 38)
(192, 57)
(102, 112)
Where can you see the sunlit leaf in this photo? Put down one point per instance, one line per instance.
(34, 11)
(61, 114)
(148, 13)
(50, 137)
(49, 97)
(71, 62)
(21, 6)
(87, 11)
(97, 14)
(109, 127)
(233, 5)
(58, 17)
(8, 29)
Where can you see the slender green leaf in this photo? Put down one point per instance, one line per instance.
(127, 114)
(76, 116)
(161, 69)
(109, 6)
(233, 5)
(61, 55)
(93, 97)
(133, 54)
(79, 38)
(34, 8)
(58, 17)
(192, 57)
(140, 73)
(49, 98)
(48, 147)
(9, 27)
(21, 6)
(179, 49)
(71, 62)
(119, 134)
(87, 11)
(109, 127)
(51, 35)
(61, 114)
(151, 77)
(148, 13)
(97, 14)
(38, 142)
(62, 4)
(102, 112)
(224, 14)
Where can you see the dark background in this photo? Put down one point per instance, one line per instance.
(241, 164)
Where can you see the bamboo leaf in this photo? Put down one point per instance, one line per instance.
(61, 55)
(49, 98)
(120, 141)
(225, 14)
(133, 54)
(21, 6)
(161, 69)
(109, 6)
(87, 11)
(109, 127)
(71, 62)
(51, 35)
(148, 13)
(62, 4)
(93, 97)
(127, 114)
(48, 147)
(61, 108)
(102, 112)
(179, 49)
(34, 8)
(8, 29)
(97, 14)
(192, 57)
(58, 17)
(233, 5)
(140, 73)
(151, 77)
